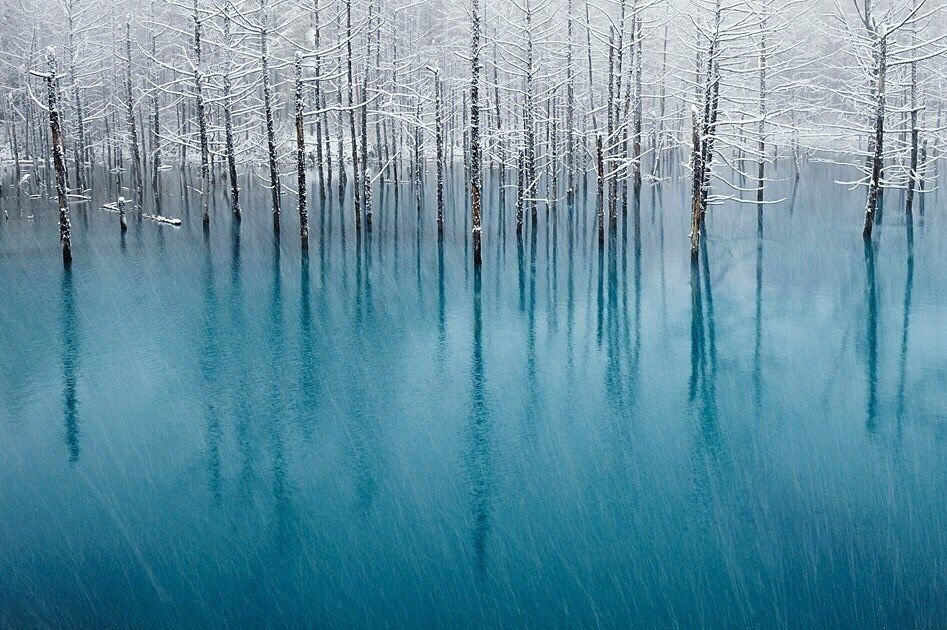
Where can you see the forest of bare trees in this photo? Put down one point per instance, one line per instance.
(545, 100)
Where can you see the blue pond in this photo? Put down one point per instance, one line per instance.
(211, 429)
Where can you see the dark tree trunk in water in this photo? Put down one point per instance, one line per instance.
(418, 161)
(761, 164)
(59, 158)
(201, 119)
(228, 118)
(130, 111)
(366, 170)
(301, 154)
(697, 186)
(439, 131)
(600, 168)
(155, 119)
(874, 186)
(268, 112)
(122, 222)
(356, 183)
(912, 175)
(520, 190)
(16, 146)
(317, 97)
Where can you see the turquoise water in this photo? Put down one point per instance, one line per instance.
(213, 429)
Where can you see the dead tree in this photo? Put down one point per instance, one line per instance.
(475, 131)
(268, 112)
(300, 152)
(696, 186)
(317, 97)
(130, 116)
(356, 182)
(155, 113)
(201, 117)
(59, 158)
(439, 141)
(80, 152)
(880, 43)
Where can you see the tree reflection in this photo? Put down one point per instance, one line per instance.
(70, 363)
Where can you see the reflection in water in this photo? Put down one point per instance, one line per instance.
(614, 385)
(702, 389)
(532, 384)
(309, 385)
(362, 426)
(281, 499)
(871, 337)
(908, 288)
(441, 306)
(479, 457)
(210, 372)
(242, 410)
(600, 295)
(70, 363)
(758, 331)
(268, 365)
(633, 379)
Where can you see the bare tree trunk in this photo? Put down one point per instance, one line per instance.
(228, 116)
(122, 221)
(520, 190)
(130, 113)
(912, 174)
(356, 188)
(570, 110)
(610, 129)
(418, 160)
(201, 119)
(761, 164)
(874, 186)
(697, 186)
(268, 112)
(15, 146)
(79, 148)
(529, 121)
(639, 96)
(155, 116)
(475, 131)
(300, 153)
(439, 131)
(922, 174)
(366, 169)
(501, 141)
(317, 93)
(600, 201)
(659, 145)
(59, 160)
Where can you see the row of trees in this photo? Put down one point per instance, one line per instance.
(541, 94)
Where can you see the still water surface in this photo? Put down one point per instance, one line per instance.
(215, 429)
